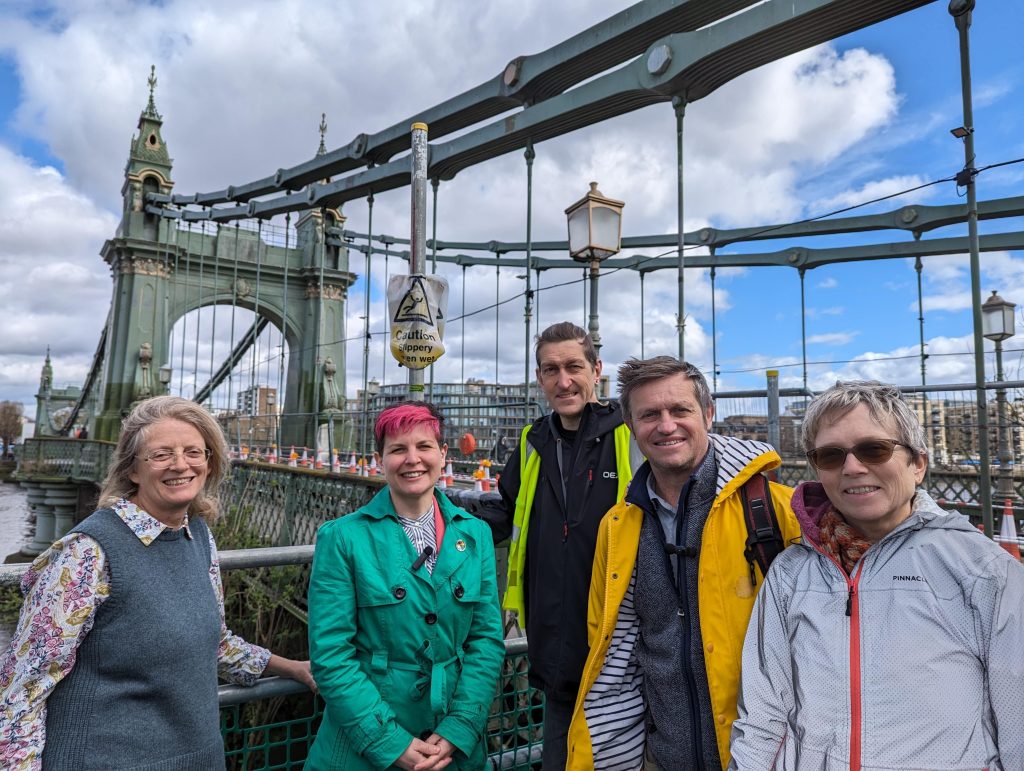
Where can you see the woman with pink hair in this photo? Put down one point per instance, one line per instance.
(404, 626)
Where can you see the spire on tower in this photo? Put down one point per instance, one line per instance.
(151, 107)
(323, 133)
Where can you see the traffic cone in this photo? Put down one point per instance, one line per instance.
(335, 462)
(304, 460)
(373, 465)
(272, 455)
(1008, 534)
(293, 458)
(245, 453)
(441, 483)
(449, 475)
(353, 466)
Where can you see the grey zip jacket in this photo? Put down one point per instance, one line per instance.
(916, 662)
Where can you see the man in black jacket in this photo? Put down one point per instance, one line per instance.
(568, 469)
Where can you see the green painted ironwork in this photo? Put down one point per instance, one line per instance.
(284, 506)
(57, 458)
(513, 734)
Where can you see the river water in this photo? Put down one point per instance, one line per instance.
(15, 532)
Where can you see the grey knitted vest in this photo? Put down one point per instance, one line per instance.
(143, 692)
(674, 721)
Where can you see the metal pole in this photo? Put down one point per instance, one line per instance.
(643, 314)
(680, 105)
(774, 437)
(961, 12)
(434, 184)
(417, 242)
(529, 155)
(925, 408)
(366, 329)
(322, 232)
(1004, 490)
(714, 334)
(592, 327)
(803, 326)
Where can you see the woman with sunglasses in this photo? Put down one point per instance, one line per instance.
(404, 628)
(115, 659)
(892, 637)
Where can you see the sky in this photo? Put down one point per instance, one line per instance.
(242, 85)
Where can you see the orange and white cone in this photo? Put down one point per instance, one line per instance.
(353, 466)
(272, 455)
(1008, 534)
(335, 462)
(304, 460)
(441, 483)
(373, 465)
(449, 475)
(293, 458)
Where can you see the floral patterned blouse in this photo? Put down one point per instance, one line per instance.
(63, 589)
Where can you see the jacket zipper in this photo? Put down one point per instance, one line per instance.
(853, 610)
(853, 613)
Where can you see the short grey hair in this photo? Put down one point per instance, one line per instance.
(134, 431)
(885, 403)
(637, 372)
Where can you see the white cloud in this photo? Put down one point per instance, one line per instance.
(832, 338)
(880, 188)
(827, 283)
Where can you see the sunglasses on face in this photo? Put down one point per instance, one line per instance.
(873, 452)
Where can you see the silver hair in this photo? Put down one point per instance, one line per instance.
(134, 431)
(885, 403)
(637, 372)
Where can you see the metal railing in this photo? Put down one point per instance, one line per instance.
(513, 734)
(58, 457)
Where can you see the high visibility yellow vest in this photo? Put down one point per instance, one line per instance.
(529, 473)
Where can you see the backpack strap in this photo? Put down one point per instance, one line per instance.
(764, 537)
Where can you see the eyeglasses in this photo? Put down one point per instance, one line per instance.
(194, 456)
(873, 452)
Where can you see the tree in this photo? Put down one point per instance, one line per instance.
(10, 422)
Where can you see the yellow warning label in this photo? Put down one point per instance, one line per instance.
(417, 306)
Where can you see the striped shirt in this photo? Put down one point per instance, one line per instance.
(422, 534)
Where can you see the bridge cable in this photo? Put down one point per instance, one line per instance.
(234, 300)
(463, 317)
(213, 298)
(255, 351)
(284, 326)
(199, 319)
(184, 316)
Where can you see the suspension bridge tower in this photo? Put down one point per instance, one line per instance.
(162, 270)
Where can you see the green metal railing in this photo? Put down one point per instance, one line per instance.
(57, 457)
(513, 736)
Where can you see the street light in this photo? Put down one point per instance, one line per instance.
(595, 234)
(997, 324)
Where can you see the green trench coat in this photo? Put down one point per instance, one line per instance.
(398, 652)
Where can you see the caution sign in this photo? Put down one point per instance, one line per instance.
(417, 306)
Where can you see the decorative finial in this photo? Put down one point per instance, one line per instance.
(151, 106)
(323, 132)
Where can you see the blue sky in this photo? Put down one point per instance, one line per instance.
(242, 85)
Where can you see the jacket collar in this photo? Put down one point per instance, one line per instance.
(598, 419)
(380, 506)
(737, 460)
(810, 503)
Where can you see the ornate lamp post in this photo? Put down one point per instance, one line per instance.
(595, 234)
(997, 324)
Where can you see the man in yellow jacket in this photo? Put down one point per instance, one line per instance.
(672, 590)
